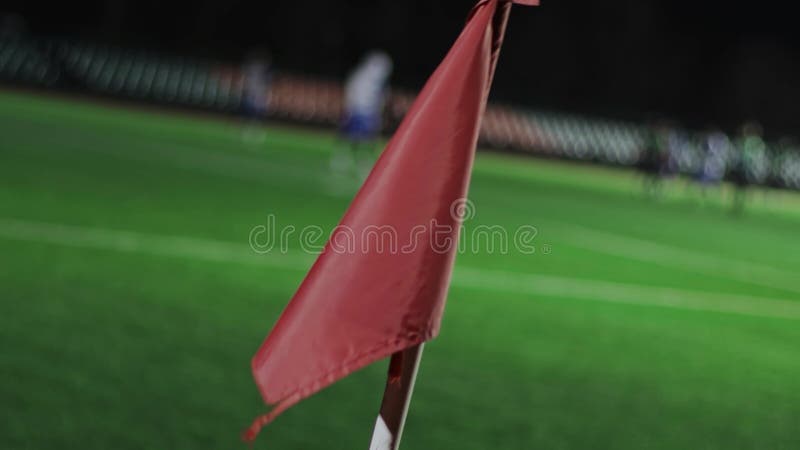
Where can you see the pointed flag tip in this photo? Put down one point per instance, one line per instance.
(527, 2)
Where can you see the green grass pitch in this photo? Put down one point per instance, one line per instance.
(131, 303)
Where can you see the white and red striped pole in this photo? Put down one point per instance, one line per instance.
(396, 399)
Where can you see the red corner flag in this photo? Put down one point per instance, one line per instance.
(359, 302)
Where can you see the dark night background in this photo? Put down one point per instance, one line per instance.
(707, 62)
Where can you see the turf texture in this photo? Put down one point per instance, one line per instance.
(131, 301)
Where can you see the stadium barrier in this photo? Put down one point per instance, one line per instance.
(172, 80)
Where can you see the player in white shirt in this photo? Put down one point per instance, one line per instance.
(256, 78)
(365, 94)
(715, 152)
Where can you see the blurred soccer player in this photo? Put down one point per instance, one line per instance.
(256, 78)
(654, 157)
(715, 146)
(782, 161)
(749, 164)
(365, 95)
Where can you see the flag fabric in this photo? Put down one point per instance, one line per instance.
(379, 285)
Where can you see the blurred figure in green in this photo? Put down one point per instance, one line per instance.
(784, 155)
(654, 157)
(750, 162)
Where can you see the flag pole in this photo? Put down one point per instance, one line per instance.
(399, 298)
(403, 369)
(404, 364)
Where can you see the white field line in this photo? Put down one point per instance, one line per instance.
(251, 168)
(675, 257)
(135, 242)
(464, 277)
(634, 294)
(198, 159)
